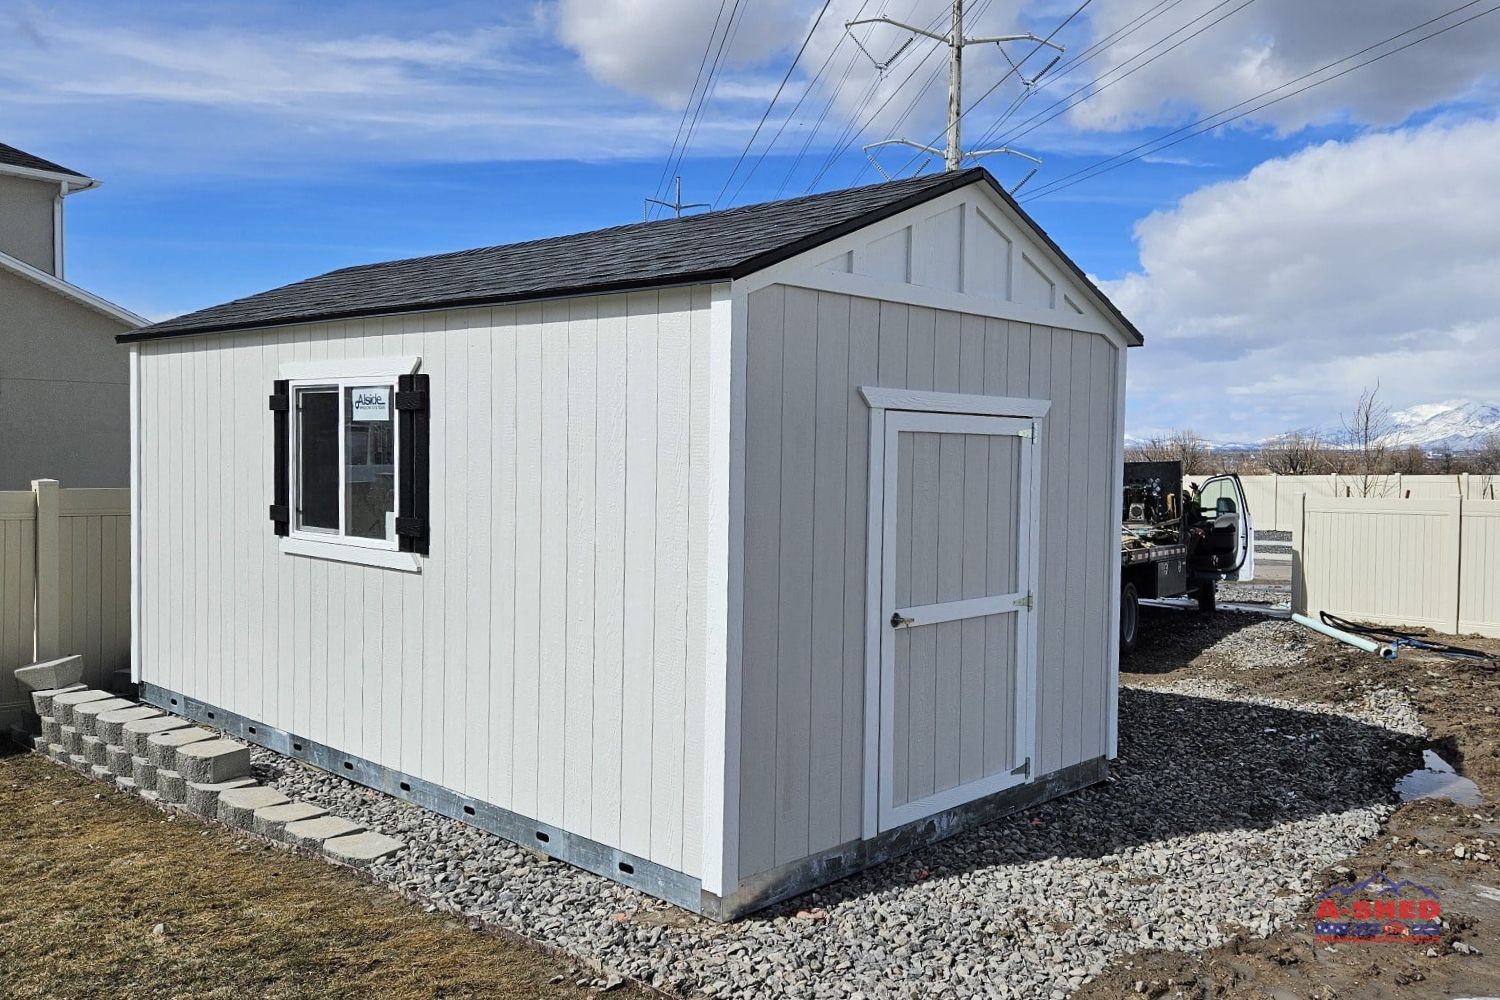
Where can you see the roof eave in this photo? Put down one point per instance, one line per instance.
(476, 302)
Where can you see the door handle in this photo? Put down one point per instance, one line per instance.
(897, 620)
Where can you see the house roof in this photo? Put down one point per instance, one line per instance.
(713, 246)
(69, 291)
(12, 157)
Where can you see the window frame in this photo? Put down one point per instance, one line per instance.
(342, 375)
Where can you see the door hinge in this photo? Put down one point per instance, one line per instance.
(1024, 602)
(1029, 434)
(1023, 769)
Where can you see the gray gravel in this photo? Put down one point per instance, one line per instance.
(1219, 814)
(1255, 592)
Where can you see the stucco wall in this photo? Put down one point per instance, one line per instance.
(64, 391)
(26, 220)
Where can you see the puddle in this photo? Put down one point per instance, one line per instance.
(1436, 779)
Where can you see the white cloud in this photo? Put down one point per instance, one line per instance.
(189, 94)
(1271, 41)
(1269, 301)
(654, 47)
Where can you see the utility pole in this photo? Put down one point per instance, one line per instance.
(954, 38)
(954, 154)
(675, 205)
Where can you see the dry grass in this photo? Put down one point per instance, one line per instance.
(84, 879)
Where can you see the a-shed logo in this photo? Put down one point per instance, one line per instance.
(1379, 910)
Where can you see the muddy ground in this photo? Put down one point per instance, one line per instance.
(1452, 849)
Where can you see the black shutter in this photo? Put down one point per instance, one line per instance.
(412, 400)
(281, 504)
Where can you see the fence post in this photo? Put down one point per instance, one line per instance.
(48, 625)
(1299, 558)
(1458, 565)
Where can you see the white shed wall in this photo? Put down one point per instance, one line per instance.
(549, 657)
(808, 351)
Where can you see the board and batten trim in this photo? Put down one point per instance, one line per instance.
(720, 696)
(883, 398)
(802, 271)
(135, 513)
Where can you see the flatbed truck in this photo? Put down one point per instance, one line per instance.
(1179, 539)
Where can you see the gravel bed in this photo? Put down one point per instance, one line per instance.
(1219, 814)
(1272, 536)
(1272, 642)
(1255, 593)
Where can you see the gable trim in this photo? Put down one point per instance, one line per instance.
(73, 292)
(1124, 332)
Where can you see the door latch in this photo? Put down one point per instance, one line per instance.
(897, 620)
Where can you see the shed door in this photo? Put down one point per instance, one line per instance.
(958, 574)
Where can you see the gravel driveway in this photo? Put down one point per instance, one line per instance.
(1218, 813)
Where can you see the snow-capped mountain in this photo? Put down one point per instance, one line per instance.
(1457, 425)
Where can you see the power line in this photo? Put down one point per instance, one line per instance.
(774, 98)
(1014, 69)
(847, 139)
(1065, 182)
(688, 106)
(731, 28)
(1026, 127)
(1087, 55)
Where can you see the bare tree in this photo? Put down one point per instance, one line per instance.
(1367, 440)
(1410, 461)
(1296, 453)
(1184, 446)
(1484, 462)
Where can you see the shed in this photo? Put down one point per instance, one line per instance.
(723, 556)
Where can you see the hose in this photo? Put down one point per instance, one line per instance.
(1397, 639)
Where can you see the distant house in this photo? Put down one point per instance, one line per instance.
(64, 385)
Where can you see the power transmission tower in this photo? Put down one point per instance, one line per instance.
(954, 38)
(675, 204)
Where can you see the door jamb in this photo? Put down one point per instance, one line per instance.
(881, 399)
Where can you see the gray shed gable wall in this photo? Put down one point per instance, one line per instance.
(806, 491)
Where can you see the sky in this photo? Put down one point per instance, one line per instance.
(1315, 244)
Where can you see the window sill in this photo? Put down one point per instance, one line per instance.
(405, 562)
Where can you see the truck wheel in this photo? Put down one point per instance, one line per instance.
(1208, 595)
(1130, 618)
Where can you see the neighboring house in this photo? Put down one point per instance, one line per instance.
(64, 384)
(722, 555)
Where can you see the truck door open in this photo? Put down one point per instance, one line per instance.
(1222, 501)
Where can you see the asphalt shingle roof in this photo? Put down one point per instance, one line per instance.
(12, 157)
(713, 246)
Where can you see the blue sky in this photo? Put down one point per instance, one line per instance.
(1277, 265)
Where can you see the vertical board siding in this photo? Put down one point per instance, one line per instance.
(806, 488)
(542, 659)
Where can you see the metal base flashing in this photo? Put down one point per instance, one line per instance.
(755, 892)
(796, 877)
(590, 855)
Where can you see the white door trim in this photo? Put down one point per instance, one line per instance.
(931, 412)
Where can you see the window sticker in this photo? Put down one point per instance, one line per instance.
(371, 403)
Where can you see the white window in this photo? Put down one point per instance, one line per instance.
(344, 461)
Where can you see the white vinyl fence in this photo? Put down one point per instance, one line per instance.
(1276, 505)
(64, 582)
(1428, 561)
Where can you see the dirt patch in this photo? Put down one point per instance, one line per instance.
(1453, 850)
(88, 875)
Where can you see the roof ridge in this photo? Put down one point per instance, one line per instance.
(685, 219)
